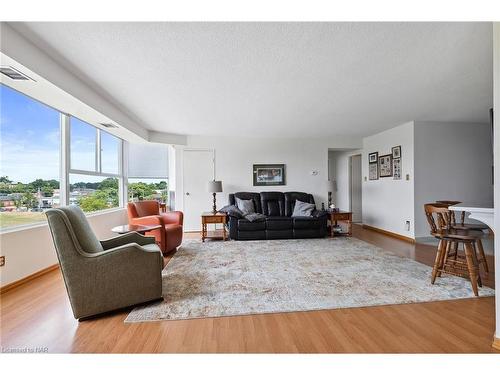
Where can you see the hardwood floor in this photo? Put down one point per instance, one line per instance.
(37, 314)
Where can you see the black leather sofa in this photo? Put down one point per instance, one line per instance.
(279, 223)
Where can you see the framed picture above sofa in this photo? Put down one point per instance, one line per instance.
(269, 174)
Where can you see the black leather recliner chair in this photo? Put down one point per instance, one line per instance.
(279, 223)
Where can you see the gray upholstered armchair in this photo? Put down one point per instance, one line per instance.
(102, 276)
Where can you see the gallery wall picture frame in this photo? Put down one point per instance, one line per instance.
(396, 152)
(396, 168)
(373, 171)
(385, 165)
(373, 157)
(269, 174)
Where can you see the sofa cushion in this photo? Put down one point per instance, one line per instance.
(307, 223)
(273, 203)
(279, 223)
(245, 206)
(303, 209)
(232, 210)
(292, 196)
(247, 195)
(245, 225)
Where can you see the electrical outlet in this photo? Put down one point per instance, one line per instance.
(2, 260)
(407, 225)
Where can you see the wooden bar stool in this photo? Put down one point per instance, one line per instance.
(462, 226)
(447, 260)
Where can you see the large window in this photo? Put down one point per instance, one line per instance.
(32, 137)
(94, 174)
(29, 168)
(148, 172)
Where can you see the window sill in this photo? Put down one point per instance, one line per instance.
(20, 228)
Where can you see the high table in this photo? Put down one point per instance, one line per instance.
(480, 212)
(486, 215)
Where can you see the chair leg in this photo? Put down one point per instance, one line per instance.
(437, 263)
(444, 257)
(482, 255)
(471, 266)
(476, 264)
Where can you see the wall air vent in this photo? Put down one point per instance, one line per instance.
(13, 73)
(108, 125)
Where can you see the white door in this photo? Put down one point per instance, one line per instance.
(198, 169)
(356, 195)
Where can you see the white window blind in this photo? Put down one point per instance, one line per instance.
(147, 160)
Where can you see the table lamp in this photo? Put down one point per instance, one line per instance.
(214, 187)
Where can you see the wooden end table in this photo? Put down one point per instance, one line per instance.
(213, 218)
(335, 217)
(141, 229)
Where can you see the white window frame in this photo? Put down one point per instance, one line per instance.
(65, 162)
(65, 169)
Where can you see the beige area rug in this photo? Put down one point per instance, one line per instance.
(215, 279)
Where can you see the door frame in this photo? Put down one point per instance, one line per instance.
(191, 149)
(349, 173)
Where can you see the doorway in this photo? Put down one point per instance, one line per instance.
(198, 169)
(356, 200)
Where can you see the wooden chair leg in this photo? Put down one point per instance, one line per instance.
(476, 263)
(437, 263)
(444, 257)
(471, 266)
(455, 250)
(482, 255)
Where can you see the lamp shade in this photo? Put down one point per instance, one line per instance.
(214, 186)
(331, 185)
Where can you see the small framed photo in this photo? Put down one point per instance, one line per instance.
(396, 167)
(385, 165)
(396, 152)
(373, 171)
(373, 157)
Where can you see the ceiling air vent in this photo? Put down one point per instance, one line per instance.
(108, 125)
(13, 73)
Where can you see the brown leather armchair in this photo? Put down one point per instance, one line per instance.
(148, 213)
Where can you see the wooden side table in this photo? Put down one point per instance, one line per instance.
(213, 218)
(337, 216)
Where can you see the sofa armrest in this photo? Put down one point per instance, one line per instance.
(173, 217)
(147, 220)
(124, 239)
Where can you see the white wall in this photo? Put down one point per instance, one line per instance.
(30, 250)
(388, 203)
(235, 156)
(496, 108)
(452, 162)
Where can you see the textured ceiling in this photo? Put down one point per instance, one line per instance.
(275, 79)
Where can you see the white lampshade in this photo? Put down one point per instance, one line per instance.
(214, 186)
(331, 185)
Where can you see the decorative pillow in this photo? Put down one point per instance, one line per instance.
(232, 210)
(255, 217)
(303, 209)
(245, 206)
